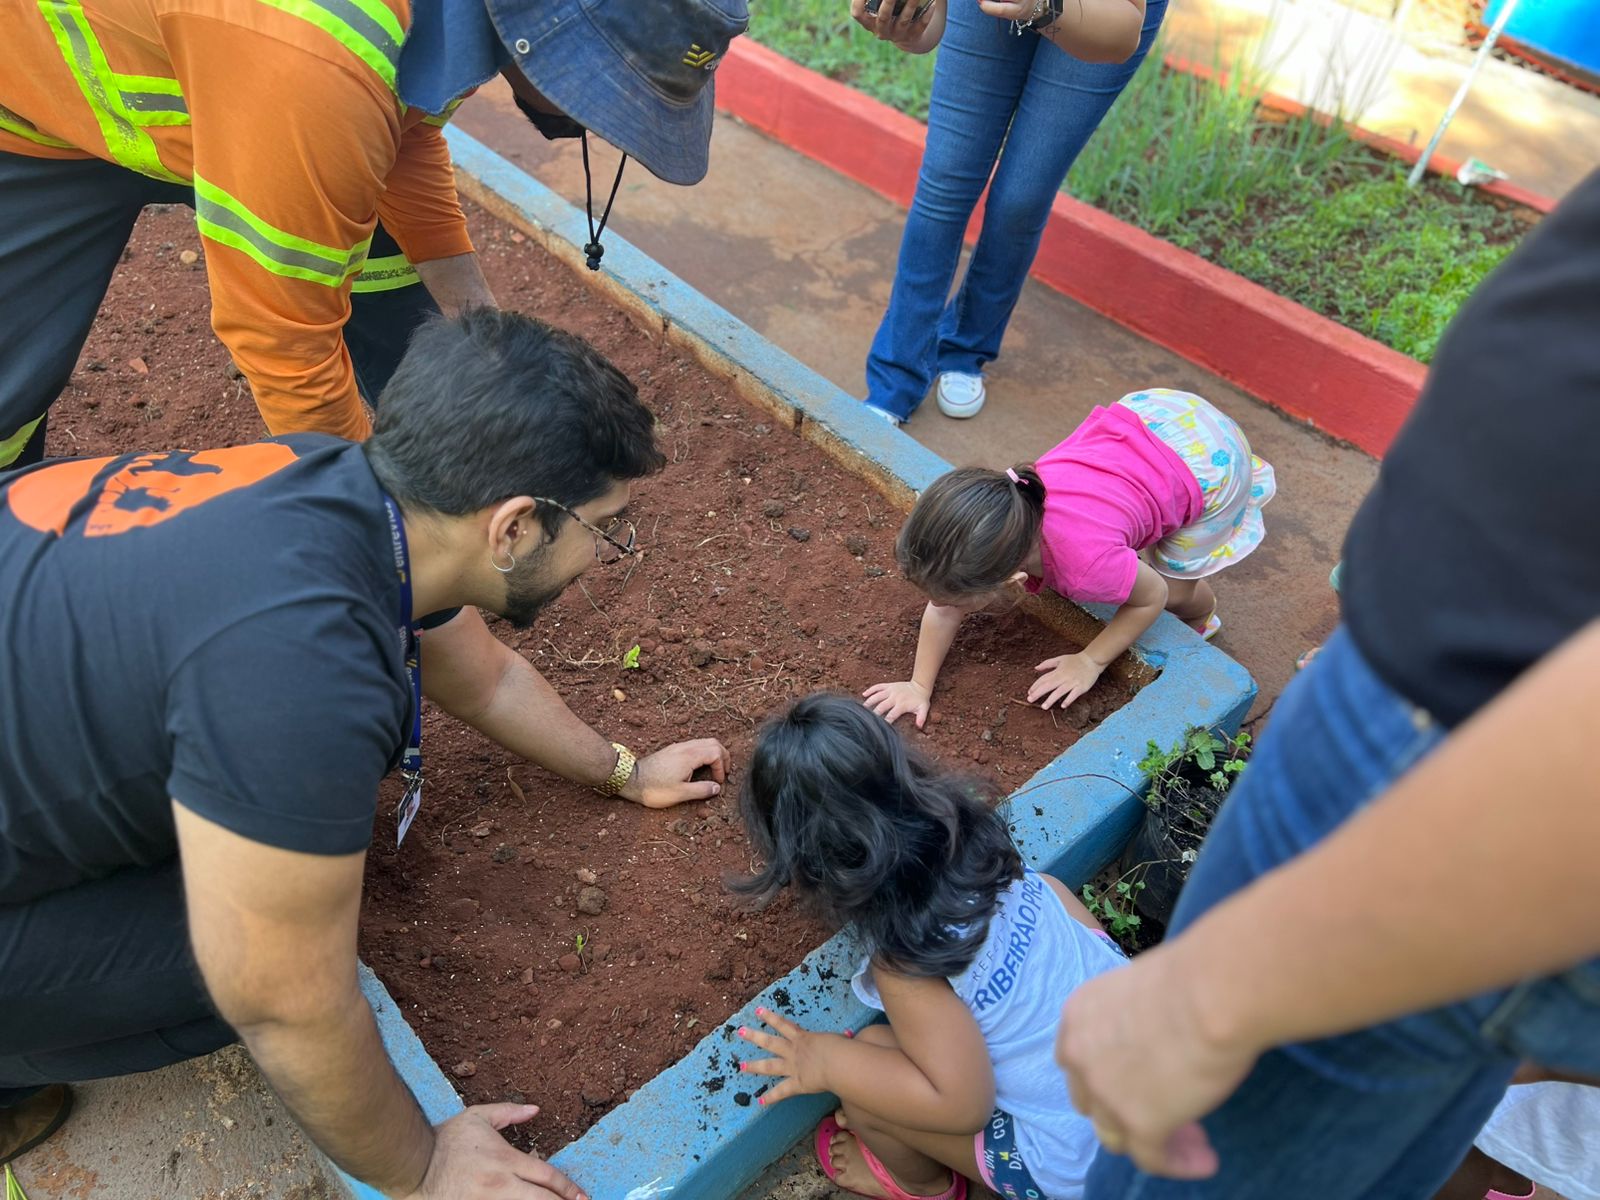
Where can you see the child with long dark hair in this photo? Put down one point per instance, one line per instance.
(970, 954)
(1138, 507)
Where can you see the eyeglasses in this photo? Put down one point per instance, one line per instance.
(617, 540)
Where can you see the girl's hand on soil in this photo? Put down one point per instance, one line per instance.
(472, 1161)
(664, 778)
(1064, 678)
(1142, 1066)
(891, 701)
(797, 1056)
(904, 28)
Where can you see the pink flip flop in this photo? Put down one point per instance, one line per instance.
(1532, 1191)
(1208, 628)
(824, 1143)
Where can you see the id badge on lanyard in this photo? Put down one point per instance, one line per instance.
(411, 760)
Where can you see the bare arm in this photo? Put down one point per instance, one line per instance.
(477, 678)
(940, 624)
(274, 933)
(1151, 1048)
(456, 283)
(1528, 822)
(938, 1078)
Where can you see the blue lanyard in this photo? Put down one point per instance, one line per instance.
(411, 761)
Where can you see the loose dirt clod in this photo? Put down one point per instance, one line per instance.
(465, 1069)
(856, 544)
(799, 534)
(591, 901)
(773, 509)
(505, 852)
(586, 876)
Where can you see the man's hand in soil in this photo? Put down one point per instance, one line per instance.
(891, 701)
(472, 1161)
(1063, 678)
(666, 777)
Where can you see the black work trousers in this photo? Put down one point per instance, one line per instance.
(63, 226)
(99, 979)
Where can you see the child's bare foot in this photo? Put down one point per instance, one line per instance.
(851, 1170)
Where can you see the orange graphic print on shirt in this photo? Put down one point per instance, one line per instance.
(146, 490)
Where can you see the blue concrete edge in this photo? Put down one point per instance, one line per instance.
(694, 1130)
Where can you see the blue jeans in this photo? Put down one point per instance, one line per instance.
(1387, 1113)
(987, 81)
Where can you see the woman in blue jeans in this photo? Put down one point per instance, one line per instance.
(1034, 76)
(1399, 903)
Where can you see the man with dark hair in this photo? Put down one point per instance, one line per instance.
(211, 662)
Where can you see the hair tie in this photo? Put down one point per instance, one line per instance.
(1015, 478)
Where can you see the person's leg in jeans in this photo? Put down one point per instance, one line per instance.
(63, 226)
(99, 979)
(1386, 1113)
(387, 303)
(977, 80)
(1062, 104)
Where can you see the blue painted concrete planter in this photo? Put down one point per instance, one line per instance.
(695, 1132)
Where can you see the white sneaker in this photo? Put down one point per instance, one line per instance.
(960, 395)
(885, 414)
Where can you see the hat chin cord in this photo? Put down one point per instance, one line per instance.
(594, 251)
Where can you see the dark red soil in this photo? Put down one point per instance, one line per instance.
(474, 925)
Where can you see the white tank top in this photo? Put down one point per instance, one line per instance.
(1035, 956)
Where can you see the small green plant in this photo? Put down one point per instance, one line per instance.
(1113, 905)
(1219, 760)
(579, 943)
(630, 660)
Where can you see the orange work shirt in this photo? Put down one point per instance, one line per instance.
(284, 116)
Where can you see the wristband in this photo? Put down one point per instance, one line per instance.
(621, 773)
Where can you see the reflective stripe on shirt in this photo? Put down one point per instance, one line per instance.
(224, 219)
(364, 27)
(128, 144)
(12, 123)
(385, 274)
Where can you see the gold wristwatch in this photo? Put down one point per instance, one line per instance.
(621, 773)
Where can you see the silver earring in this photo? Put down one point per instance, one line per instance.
(504, 570)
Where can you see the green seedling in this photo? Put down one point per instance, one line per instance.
(1113, 906)
(630, 660)
(13, 1188)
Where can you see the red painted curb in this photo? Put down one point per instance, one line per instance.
(1280, 352)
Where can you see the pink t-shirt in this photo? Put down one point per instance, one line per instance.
(1111, 489)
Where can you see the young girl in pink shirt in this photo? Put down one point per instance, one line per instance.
(1141, 503)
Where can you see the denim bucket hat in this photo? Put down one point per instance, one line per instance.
(636, 72)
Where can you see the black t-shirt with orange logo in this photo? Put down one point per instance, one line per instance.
(216, 627)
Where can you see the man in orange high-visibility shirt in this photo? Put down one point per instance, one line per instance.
(307, 135)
